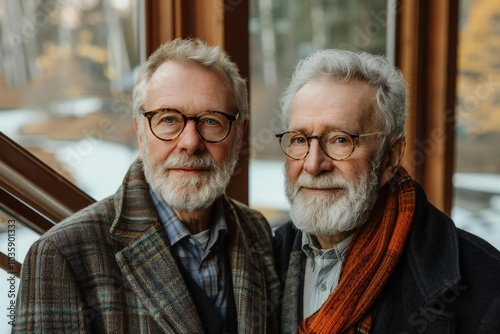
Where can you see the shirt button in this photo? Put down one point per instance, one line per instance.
(322, 287)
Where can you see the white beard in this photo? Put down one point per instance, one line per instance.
(189, 193)
(331, 214)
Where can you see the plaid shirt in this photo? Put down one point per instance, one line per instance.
(206, 265)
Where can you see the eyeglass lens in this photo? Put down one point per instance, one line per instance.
(169, 124)
(337, 145)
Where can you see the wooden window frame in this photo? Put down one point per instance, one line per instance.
(33, 193)
(426, 52)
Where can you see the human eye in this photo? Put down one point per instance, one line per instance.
(297, 139)
(212, 121)
(337, 139)
(169, 118)
(341, 140)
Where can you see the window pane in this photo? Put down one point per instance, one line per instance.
(477, 178)
(282, 32)
(66, 73)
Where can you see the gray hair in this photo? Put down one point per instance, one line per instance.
(344, 66)
(191, 51)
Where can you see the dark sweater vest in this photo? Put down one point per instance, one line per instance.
(210, 316)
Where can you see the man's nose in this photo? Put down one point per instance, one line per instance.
(190, 140)
(316, 160)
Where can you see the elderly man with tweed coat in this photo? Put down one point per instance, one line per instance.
(169, 252)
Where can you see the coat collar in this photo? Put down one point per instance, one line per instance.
(135, 214)
(432, 249)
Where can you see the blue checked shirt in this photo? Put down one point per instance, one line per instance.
(206, 265)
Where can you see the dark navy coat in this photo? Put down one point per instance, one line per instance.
(447, 280)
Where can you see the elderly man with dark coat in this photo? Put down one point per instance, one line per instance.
(365, 252)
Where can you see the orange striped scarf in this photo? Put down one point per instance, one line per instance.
(371, 258)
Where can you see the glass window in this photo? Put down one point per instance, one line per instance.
(282, 32)
(66, 73)
(477, 178)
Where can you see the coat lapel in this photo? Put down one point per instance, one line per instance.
(247, 272)
(146, 260)
(152, 273)
(290, 316)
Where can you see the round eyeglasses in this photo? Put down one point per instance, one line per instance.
(168, 124)
(337, 145)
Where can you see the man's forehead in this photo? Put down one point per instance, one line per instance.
(329, 94)
(342, 105)
(164, 71)
(174, 81)
(175, 69)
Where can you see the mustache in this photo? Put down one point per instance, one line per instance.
(321, 181)
(204, 161)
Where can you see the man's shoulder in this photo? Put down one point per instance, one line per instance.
(87, 224)
(445, 267)
(285, 242)
(286, 236)
(439, 226)
(437, 251)
(250, 222)
(475, 248)
(286, 230)
(80, 241)
(243, 210)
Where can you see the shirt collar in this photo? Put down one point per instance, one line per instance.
(311, 247)
(176, 230)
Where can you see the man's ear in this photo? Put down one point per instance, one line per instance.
(391, 161)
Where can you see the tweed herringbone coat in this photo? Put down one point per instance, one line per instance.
(109, 269)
